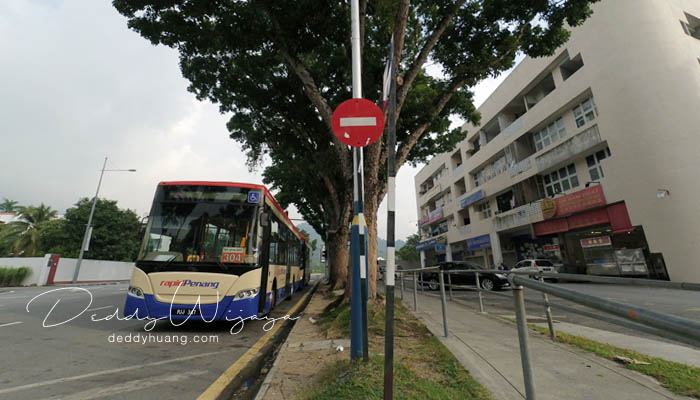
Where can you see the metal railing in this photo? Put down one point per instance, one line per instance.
(628, 316)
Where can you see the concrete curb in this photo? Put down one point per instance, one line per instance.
(253, 360)
(265, 386)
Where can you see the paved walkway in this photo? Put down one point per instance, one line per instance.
(488, 348)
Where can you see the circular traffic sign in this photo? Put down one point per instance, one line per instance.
(358, 122)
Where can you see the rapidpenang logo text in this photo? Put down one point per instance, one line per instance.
(190, 283)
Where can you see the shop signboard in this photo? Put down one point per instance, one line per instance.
(436, 215)
(596, 242)
(549, 208)
(550, 247)
(479, 242)
(425, 245)
(582, 200)
(471, 199)
(424, 220)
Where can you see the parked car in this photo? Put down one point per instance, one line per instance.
(535, 266)
(489, 279)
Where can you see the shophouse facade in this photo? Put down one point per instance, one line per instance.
(588, 157)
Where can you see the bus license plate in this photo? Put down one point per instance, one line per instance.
(186, 311)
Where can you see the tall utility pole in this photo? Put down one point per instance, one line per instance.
(358, 303)
(390, 222)
(88, 228)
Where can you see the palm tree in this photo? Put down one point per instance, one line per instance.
(23, 236)
(8, 205)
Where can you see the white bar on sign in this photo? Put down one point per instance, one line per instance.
(358, 121)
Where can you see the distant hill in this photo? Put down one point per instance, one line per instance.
(381, 249)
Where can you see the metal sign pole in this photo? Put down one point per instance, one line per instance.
(356, 345)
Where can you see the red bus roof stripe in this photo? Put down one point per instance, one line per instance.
(241, 185)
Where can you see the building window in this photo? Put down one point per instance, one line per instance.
(594, 167)
(485, 209)
(585, 112)
(561, 181)
(550, 134)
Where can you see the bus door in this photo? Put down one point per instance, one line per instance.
(264, 260)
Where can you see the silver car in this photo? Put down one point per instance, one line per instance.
(535, 266)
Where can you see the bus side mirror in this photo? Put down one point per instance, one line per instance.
(264, 219)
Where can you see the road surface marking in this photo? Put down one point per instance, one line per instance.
(11, 323)
(130, 386)
(215, 390)
(11, 291)
(358, 121)
(98, 308)
(105, 372)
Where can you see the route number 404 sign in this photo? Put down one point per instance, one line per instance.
(232, 254)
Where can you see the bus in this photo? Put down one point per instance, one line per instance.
(216, 251)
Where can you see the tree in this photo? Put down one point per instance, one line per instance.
(22, 236)
(9, 206)
(313, 243)
(115, 234)
(408, 251)
(281, 68)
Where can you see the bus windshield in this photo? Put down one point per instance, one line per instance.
(200, 224)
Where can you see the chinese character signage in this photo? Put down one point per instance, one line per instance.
(596, 242)
(581, 200)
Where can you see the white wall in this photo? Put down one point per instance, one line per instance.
(36, 264)
(90, 270)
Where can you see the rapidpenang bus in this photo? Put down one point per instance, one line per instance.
(216, 251)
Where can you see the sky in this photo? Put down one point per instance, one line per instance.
(78, 86)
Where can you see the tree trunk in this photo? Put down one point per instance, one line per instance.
(371, 218)
(338, 258)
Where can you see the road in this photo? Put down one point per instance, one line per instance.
(681, 303)
(85, 357)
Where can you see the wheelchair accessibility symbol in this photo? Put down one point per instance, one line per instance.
(253, 197)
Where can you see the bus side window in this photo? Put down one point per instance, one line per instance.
(274, 240)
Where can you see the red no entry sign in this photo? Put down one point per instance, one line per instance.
(358, 122)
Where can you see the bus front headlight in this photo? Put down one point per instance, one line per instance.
(134, 291)
(245, 294)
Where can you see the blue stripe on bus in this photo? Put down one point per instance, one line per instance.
(227, 308)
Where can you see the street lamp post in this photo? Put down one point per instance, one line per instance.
(88, 228)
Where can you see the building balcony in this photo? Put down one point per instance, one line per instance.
(520, 167)
(578, 144)
(512, 129)
(430, 193)
(519, 216)
(458, 172)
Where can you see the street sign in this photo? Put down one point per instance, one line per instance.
(358, 122)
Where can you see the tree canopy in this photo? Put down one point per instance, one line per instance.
(115, 234)
(408, 251)
(280, 68)
(22, 237)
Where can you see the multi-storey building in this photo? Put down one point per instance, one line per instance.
(588, 157)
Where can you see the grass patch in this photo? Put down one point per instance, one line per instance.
(681, 379)
(11, 276)
(423, 367)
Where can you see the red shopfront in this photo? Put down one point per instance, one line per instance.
(577, 218)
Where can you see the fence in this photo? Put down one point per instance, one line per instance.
(629, 316)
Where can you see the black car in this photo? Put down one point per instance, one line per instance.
(489, 279)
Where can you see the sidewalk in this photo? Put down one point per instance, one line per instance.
(302, 355)
(489, 349)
